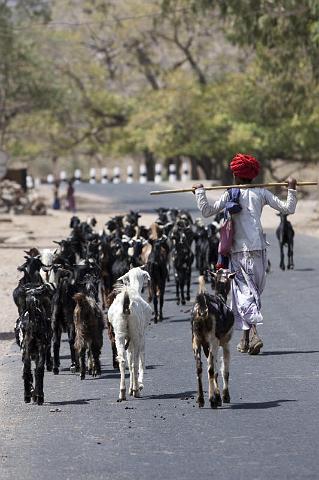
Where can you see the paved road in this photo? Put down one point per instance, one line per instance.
(270, 429)
(137, 196)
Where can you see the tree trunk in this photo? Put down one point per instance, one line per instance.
(150, 165)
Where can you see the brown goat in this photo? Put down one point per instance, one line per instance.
(212, 324)
(89, 325)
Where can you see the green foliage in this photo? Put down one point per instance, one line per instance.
(183, 78)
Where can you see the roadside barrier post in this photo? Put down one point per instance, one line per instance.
(158, 173)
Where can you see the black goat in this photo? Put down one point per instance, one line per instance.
(285, 234)
(33, 334)
(157, 268)
(89, 324)
(212, 324)
(182, 260)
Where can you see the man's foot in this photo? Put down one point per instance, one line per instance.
(243, 345)
(255, 344)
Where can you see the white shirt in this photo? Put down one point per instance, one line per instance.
(248, 232)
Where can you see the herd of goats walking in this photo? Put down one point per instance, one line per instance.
(92, 281)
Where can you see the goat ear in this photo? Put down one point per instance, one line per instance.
(232, 275)
(211, 273)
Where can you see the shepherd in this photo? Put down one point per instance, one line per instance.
(248, 255)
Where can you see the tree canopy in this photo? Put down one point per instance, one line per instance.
(163, 80)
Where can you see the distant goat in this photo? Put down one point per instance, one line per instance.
(129, 315)
(89, 324)
(212, 324)
(285, 234)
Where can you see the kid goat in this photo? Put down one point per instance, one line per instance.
(212, 324)
(129, 315)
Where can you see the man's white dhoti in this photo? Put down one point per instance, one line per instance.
(247, 287)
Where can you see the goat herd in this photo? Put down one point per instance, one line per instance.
(95, 280)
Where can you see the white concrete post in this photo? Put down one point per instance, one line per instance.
(77, 175)
(92, 175)
(29, 180)
(158, 173)
(50, 178)
(104, 175)
(185, 172)
(63, 177)
(129, 178)
(116, 175)
(143, 173)
(172, 173)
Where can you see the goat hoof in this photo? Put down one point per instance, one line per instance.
(56, 370)
(120, 400)
(40, 399)
(155, 319)
(214, 402)
(49, 366)
(82, 376)
(73, 368)
(219, 400)
(188, 298)
(226, 397)
(27, 398)
(183, 302)
(140, 387)
(177, 301)
(136, 393)
(130, 392)
(201, 402)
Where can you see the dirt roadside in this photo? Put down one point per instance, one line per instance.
(20, 232)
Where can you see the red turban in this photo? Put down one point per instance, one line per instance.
(245, 166)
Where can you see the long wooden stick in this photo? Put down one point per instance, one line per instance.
(224, 187)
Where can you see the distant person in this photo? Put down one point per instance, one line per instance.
(56, 198)
(248, 257)
(70, 198)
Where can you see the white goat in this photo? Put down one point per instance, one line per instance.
(47, 256)
(129, 315)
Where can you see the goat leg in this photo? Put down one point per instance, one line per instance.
(177, 289)
(282, 258)
(74, 360)
(225, 373)
(141, 366)
(56, 349)
(199, 370)
(155, 302)
(27, 378)
(290, 265)
(188, 296)
(120, 345)
(48, 359)
(161, 302)
(39, 375)
(82, 363)
(96, 367)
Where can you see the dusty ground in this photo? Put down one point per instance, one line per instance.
(18, 233)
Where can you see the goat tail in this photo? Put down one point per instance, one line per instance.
(201, 284)
(126, 304)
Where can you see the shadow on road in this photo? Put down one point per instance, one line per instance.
(258, 405)
(80, 401)
(167, 396)
(308, 269)
(7, 336)
(288, 352)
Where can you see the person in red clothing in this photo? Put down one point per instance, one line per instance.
(248, 256)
